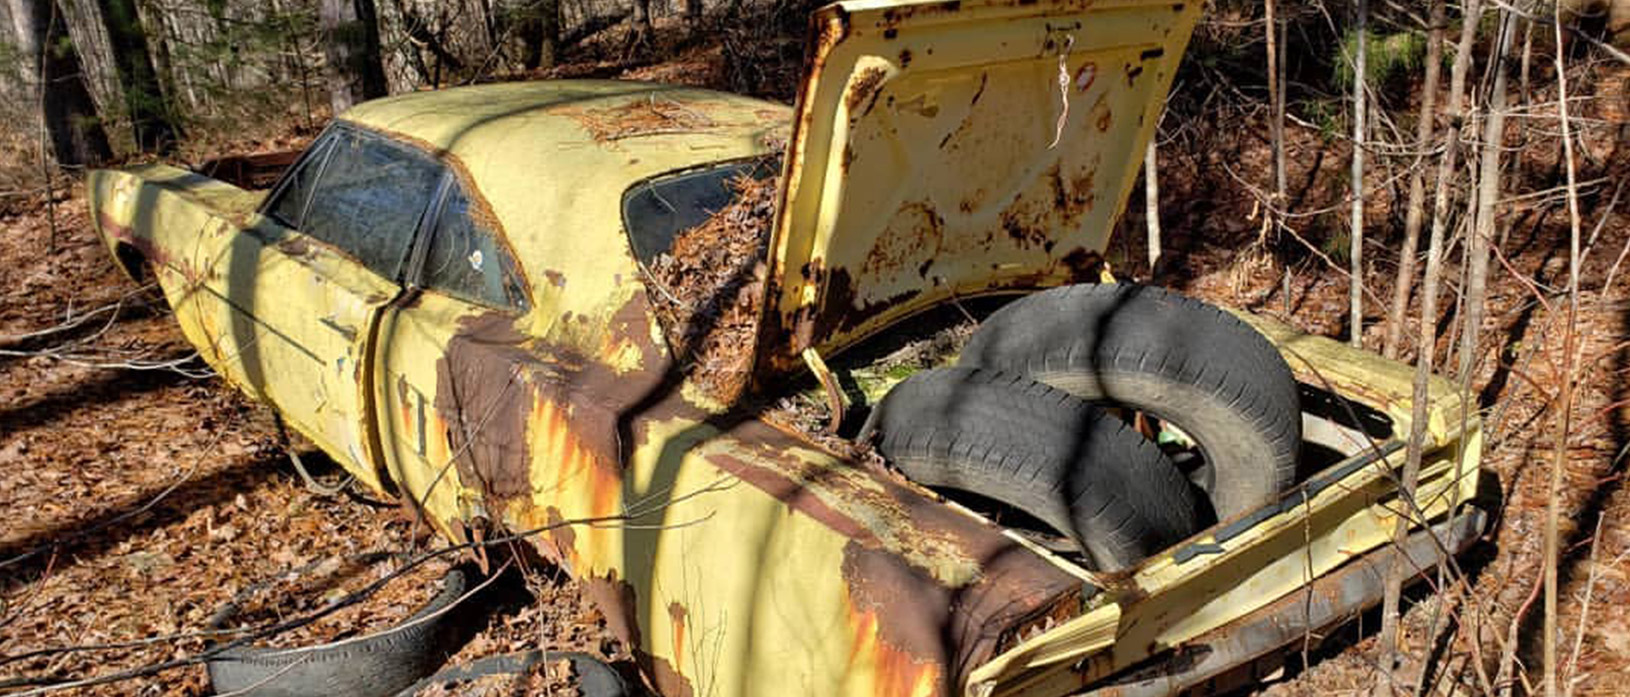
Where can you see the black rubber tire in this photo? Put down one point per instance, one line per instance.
(1069, 464)
(593, 677)
(378, 664)
(1179, 359)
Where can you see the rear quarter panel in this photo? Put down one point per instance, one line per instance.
(162, 213)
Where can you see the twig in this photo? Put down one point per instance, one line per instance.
(1584, 609)
(1570, 337)
(312, 485)
(1607, 48)
(258, 683)
(1508, 656)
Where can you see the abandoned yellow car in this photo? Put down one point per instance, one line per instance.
(472, 300)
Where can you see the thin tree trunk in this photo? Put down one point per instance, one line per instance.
(1415, 209)
(355, 74)
(1527, 61)
(1399, 570)
(1276, 127)
(1525, 94)
(1355, 294)
(1479, 235)
(151, 118)
(162, 58)
(1151, 199)
(540, 33)
(1276, 132)
(1618, 23)
(298, 52)
(1570, 338)
(66, 109)
(1488, 195)
(643, 30)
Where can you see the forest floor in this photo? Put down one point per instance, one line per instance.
(140, 500)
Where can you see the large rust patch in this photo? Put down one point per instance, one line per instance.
(948, 589)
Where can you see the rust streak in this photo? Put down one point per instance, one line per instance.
(864, 90)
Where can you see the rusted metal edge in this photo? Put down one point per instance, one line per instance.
(829, 384)
(1287, 501)
(1328, 601)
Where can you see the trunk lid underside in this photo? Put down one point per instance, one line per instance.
(953, 148)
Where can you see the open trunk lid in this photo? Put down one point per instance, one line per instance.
(959, 147)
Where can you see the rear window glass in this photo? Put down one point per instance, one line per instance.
(656, 210)
(367, 200)
(701, 237)
(466, 260)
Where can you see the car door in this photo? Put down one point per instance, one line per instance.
(465, 293)
(299, 290)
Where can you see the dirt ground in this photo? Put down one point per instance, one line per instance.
(142, 494)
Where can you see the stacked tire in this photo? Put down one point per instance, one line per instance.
(1035, 416)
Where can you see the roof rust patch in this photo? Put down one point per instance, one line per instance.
(563, 538)
(651, 115)
(618, 602)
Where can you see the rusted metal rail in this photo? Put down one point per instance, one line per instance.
(1330, 600)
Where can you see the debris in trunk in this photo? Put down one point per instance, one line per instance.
(710, 288)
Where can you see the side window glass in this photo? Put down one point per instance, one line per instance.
(291, 199)
(369, 200)
(465, 259)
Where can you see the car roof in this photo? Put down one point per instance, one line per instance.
(465, 121)
(550, 162)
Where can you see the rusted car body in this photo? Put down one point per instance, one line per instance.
(940, 150)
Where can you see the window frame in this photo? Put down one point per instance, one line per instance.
(321, 146)
(770, 163)
(414, 273)
(410, 272)
(324, 147)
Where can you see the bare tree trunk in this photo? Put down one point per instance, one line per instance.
(1488, 194)
(355, 74)
(1417, 438)
(1151, 199)
(1415, 208)
(1276, 131)
(1387, 644)
(1276, 127)
(162, 58)
(1570, 338)
(1527, 61)
(66, 108)
(540, 32)
(1355, 295)
(1618, 23)
(693, 11)
(643, 30)
(151, 118)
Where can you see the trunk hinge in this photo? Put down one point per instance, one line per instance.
(829, 383)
